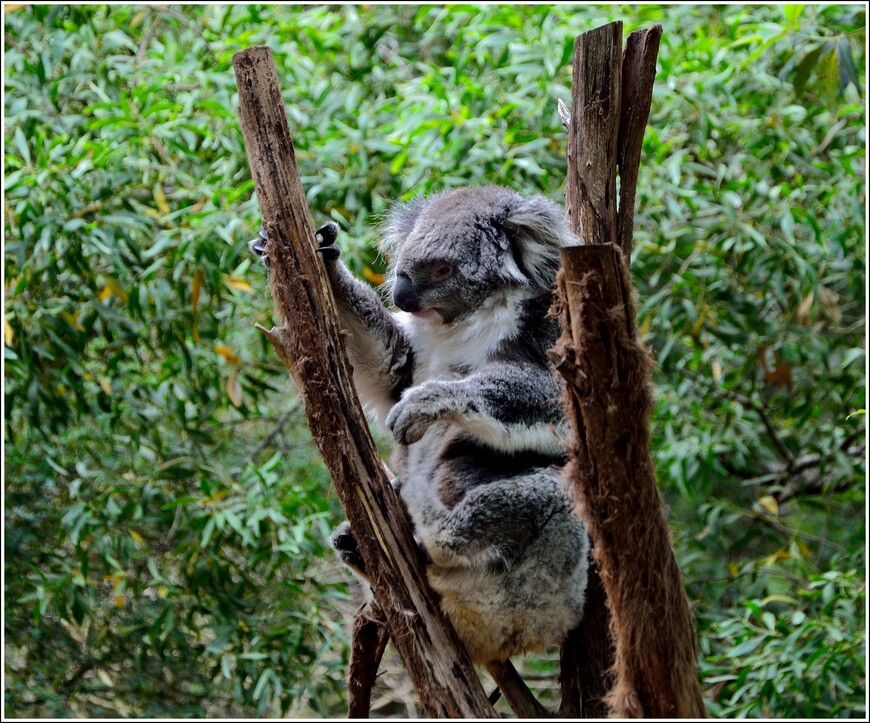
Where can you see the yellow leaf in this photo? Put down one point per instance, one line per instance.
(770, 504)
(717, 371)
(137, 538)
(197, 285)
(196, 338)
(106, 385)
(733, 569)
(160, 200)
(645, 324)
(234, 389)
(113, 287)
(238, 284)
(190, 565)
(13, 8)
(8, 334)
(778, 598)
(137, 18)
(215, 497)
(119, 601)
(373, 276)
(73, 321)
(227, 353)
(777, 556)
(803, 312)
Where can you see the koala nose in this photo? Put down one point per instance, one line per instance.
(403, 294)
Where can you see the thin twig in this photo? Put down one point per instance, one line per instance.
(269, 438)
(146, 39)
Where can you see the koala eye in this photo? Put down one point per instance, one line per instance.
(441, 271)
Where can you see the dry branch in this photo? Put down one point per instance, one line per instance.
(638, 75)
(511, 684)
(368, 642)
(309, 343)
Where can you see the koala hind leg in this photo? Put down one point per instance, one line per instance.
(346, 548)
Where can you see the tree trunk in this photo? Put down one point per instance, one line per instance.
(310, 344)
(609, 397)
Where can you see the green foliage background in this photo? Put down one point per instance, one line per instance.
(166, 514)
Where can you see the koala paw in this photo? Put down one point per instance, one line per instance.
(326, 237)
(346, 548)
(419, 408)
(257, 246)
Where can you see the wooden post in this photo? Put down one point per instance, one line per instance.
(609, 397)
(309, 343)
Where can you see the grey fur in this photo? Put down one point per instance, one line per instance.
(462, 380)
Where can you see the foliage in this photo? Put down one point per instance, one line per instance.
(166, 513)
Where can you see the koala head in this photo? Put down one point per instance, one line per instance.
(455, 250)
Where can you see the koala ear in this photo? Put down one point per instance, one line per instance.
(536, 230)
(398, 223)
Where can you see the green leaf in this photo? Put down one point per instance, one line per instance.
(848, 70)
(805, 68)
(792, 13)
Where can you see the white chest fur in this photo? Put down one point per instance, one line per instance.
(468, 344)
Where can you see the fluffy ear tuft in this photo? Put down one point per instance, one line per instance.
(537, 231)
(397, 224)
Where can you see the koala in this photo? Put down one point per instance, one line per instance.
(458, 373)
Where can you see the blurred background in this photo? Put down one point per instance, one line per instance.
(166, 513)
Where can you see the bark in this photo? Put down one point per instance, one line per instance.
(309, 342)
(511, 684)
(368, 642)
(609, 397)
(638, 76)
(587, 657)
(592, 134)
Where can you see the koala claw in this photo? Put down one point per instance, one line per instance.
(326, 236)
(409, 423)
(257, 246)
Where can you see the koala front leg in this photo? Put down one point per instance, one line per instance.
(509, 407)
(381, 355)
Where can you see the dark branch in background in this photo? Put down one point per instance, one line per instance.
(276, 430)
(796, 476)
(761, 411)
(803, 478)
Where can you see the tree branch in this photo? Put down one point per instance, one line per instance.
(368, 642)
(310, 344)
(522, 701)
